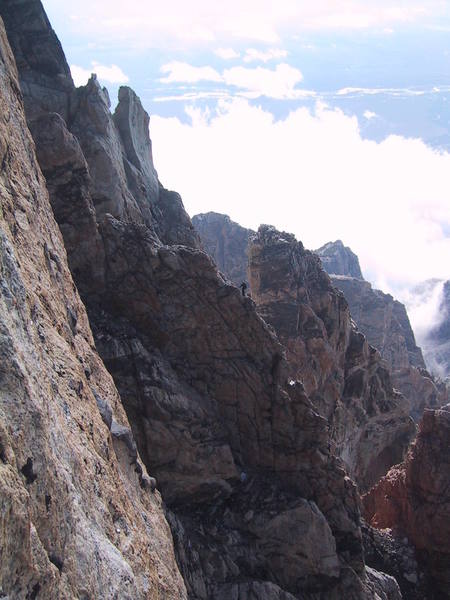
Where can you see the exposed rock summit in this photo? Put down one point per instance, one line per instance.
(338, 259)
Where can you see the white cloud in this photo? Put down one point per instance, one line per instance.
(355, 91)
(423, 303)
(278, 83)
(251, 54)
(314, 175)
(369, 115)
(186, 73)
(149, 22)
(111, 74)
(195, 95)
(226, 53)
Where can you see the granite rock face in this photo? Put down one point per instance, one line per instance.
(383, 320)
(338, 259)
(226, 242)
(344, 376)
(258, 504)
(75, 520)
(414, 499)
(385, 323)
(45, 77)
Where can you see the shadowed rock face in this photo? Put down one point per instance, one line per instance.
(338, 259)
(414, 499)
(386, 324)
(258, 504)
(383, 320)
(226, 242)
(342, 374)
(45, 77)
(75, 517)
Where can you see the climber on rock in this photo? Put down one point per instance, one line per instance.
(243, 287)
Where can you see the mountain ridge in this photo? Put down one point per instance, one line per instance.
(201, 391)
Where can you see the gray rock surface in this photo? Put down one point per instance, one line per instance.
(338, 259)
(383, 320)
(74, 520)
(45, 77)
(386, 324)
(226, 242)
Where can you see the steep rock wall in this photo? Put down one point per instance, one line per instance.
(386, 324)
(258, 503)
(437, 341)
(342, 374)
(414, 500)
(77, 515)
(226, 242)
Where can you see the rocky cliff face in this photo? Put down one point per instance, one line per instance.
(338, 259)
(386, 324)
(414, 500)
(383, 320)
(318, 362)
(78, 517)
(258, 504)
(342, 374)
(226, 242)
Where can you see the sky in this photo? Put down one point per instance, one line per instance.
(329, 119)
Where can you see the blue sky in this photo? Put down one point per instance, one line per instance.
(329, 119)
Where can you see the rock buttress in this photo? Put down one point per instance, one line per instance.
(344, 376)
(75, 518)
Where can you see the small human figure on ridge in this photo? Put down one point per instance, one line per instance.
(243, 287)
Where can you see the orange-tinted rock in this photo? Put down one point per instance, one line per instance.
(414, 499)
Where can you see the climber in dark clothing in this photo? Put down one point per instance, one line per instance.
(243, 287)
